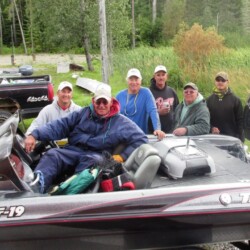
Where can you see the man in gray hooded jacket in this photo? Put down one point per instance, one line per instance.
(192, 115)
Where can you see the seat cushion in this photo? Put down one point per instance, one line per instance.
(143, 152)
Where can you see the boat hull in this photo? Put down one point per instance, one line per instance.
(158, 218)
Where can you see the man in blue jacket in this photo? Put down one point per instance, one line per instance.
(91, 130)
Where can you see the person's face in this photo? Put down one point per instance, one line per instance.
(190, 95)
(160, 79)
(221, 84)
(64, 96)
(134, 84)
(102, 106)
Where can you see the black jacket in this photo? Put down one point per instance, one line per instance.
(226, 114)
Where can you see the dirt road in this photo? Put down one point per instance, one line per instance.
(5, 60)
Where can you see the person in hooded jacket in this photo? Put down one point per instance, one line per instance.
(166, 99)
(226, 110)
(192, 115)
(90, 131)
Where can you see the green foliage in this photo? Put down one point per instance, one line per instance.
(235, 62)
(237, 39)
(58, 26)
(173, 16)
(195, 46)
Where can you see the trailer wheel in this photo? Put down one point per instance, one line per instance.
(4, 115)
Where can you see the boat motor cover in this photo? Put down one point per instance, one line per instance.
(181, 157)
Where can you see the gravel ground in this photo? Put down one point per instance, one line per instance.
(5, 60)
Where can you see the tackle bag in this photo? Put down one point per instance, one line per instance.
(119, 183)
(77, 183)
(114, 176)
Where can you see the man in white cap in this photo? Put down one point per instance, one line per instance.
(137, 103)
(166, 98)
(59, 108)
(90, 131)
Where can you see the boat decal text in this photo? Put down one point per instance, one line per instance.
(11, 212)
(245, 198)
(37, 99)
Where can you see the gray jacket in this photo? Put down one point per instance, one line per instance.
(49, 113)
(194, 117)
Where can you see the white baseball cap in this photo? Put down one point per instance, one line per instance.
(134, 72)
(65, 84)
(160, 68)
(103, 91)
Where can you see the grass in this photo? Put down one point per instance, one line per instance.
(235, 62)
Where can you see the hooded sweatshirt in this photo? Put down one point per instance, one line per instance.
(194, 117)
(51, 112)
(167, 94)
(227, 114)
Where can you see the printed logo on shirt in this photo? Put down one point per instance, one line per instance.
(160, 102)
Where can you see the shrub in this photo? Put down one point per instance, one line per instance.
(194, 46)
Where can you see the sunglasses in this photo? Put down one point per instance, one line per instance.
(220, 80)
(189, 92)
(101, 101)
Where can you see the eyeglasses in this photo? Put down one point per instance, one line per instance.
(220, 80)
(99, 101)
(186, 92)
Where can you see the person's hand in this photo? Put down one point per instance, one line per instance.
(118, 158)
(180, 131)
(215, 130)
(160, 134)
(30, 143)
(164, 110)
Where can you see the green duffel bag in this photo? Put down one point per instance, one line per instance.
(77, 183)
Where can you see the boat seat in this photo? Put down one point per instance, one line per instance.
(143, 165)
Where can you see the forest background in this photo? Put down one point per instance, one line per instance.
(194, 39)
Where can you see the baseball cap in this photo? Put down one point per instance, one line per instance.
(223, 75)
(134, 72)
(65, 84)
(160, 68)
(191, 85)
(103, 91)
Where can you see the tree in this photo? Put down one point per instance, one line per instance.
(173, 16)
(133, 22)
(85, 37)
(1, 31)
(154, 11)
(104, 48)
(246, 16)
(20, 26)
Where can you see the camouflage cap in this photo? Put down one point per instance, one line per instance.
(223, 75)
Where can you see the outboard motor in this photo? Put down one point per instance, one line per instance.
(181, 157)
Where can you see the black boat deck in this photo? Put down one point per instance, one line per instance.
(229, 169)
